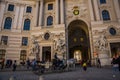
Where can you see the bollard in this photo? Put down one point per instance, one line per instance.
(41, 78)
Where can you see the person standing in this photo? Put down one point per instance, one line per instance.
(84, 66)
(114, 63)
(14, 65)
(28, 63)
(2, 64)
(55, 56)
(98, 63)
(118, 61)
(34, 64)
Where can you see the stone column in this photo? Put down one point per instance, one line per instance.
(2, 9)
(96, 9)
(57, 11)
(15, 22)
(91, 10)
(21, 21)
(41, 13)
(117, 9)
(36, 15)
(62, 11)
(67, 49)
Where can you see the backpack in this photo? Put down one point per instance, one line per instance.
(84, 64)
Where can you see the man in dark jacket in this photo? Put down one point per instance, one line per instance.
(118, 61)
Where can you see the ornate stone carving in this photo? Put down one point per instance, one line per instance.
(36, 47)
(96, 32)
(101, 43)
(60, 45)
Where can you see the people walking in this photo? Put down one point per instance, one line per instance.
(14, 65)
(28, 63)
(118, 61)
(84, 66)
(55, 56)
(114, 63)
(2, 63)
(34, 64)
(98, 63)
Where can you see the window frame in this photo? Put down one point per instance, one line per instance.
(28, 9)
(23, 55)
(50, 6)
(24, 41)
(2, 54)
(103, 1)
(105, 15)
(7, 23)
(11, 7)
(4, 39)
(112, 31)
(49, 20)
(27, 24)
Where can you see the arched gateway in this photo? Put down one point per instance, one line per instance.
(78, 40)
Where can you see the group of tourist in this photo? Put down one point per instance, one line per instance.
(115, 62)
(12, 64)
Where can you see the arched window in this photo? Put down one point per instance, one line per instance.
(8, 23)
(49, 20)
(23, 55)
(26, 24)
(105, 15)
(102, 1)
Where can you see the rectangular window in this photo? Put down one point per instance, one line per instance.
(50, 6)
(10, 7)
(4, 40)
(29, 9)
(2, 54)
(23, 55)
(24, 41)
(102, 1)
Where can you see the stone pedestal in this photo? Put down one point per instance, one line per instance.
(104, 58)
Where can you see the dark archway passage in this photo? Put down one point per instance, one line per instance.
(78, 40)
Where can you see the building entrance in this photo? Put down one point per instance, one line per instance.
(115, 48)
(46, 53)
(78, 40)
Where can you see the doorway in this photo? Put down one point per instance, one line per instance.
(46, 53)
(78, 40)
(115, 48)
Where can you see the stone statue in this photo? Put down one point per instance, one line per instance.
(36, 47)
(101, 43)
(60, 44)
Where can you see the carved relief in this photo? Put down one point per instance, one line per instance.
(97, 32)
(101, 43)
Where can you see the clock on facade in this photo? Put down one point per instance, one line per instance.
(76, 12)
(47, 36)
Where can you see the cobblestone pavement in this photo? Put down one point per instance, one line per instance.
(78, 74)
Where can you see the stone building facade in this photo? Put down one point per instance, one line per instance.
(80, 29)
